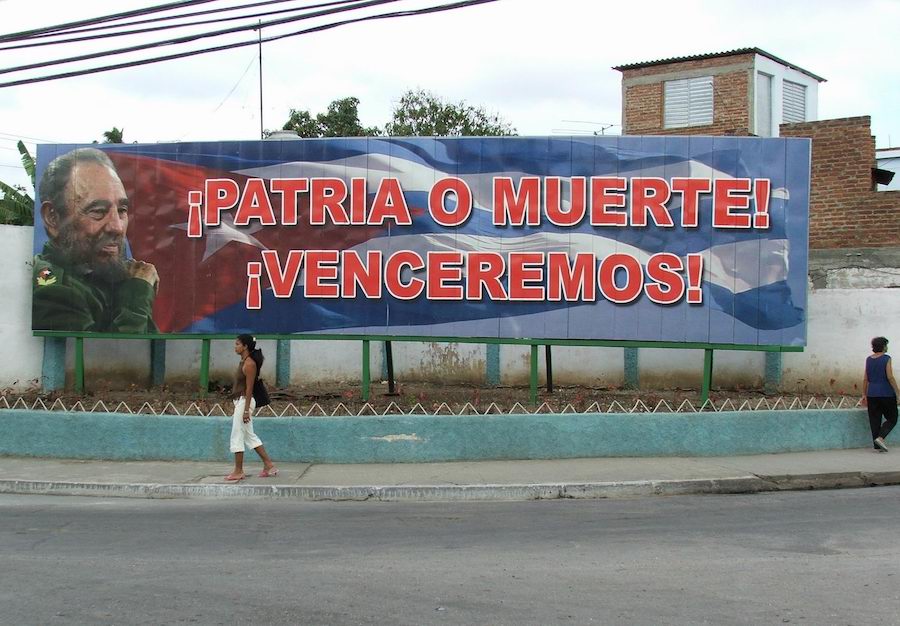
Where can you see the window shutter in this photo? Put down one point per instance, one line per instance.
(688, 102)
(793, 102)
(677, 107)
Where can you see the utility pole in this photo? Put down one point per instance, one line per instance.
(260, 83)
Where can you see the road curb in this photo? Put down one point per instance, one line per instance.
(460, 493)
(834, 480)
(393, 493)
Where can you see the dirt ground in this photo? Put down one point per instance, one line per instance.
(346, 399)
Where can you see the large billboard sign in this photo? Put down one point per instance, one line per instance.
(674, 239)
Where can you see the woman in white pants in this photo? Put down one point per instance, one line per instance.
(242, 434)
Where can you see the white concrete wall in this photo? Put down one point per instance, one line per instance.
(854, 278)
(432, 361)
(332, 361)
(732, 369)
(111, 363)
(21, 369)
(841, 323)
(183, 360)
(576, 365)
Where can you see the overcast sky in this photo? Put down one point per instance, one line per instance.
(538, 63)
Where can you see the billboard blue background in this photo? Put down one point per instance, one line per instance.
(756, 296)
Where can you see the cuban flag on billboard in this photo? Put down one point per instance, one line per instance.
(753, 280)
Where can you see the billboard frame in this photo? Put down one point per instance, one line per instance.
(365, 379)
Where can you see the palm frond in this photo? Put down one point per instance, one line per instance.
(16, 206)
(27, 160)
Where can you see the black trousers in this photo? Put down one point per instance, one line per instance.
(882, 408)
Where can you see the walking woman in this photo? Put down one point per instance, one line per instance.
(242, 434)
(880, 393)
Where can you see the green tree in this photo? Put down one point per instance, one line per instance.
(422, 114)
(16, 206)
(340, 120)
(114, 135)
(302, 123)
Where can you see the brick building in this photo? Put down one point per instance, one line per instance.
(854, 228)
(741, 92)
(846, 209)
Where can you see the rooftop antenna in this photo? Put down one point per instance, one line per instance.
(603, 126)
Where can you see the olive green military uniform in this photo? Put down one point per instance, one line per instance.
(67, 298)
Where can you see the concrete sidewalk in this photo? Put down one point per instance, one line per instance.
(459, 481)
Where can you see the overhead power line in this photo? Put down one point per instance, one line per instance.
(194, 37)
(315, 29)
(30, 43)
(105, 18)
(16, 137)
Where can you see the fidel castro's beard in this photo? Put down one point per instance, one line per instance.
(86, 252)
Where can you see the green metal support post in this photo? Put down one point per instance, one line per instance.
(53, 368)
(774, 362)
(79, 365)
(365, 370)
(492, 364)
(283, 363)
(707, 375)
(632, 368)
(534, 373)
(548, 367)
(389, 362)
(157, 362)
(204, 367)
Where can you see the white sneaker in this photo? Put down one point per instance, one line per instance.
(880, 443)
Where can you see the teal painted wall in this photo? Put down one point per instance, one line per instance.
(400, 439)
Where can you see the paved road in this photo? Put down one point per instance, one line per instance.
(828, 557)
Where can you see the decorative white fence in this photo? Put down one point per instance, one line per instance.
(280, 409)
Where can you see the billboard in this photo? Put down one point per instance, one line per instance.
(674, 239)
